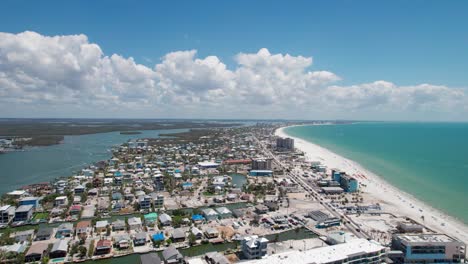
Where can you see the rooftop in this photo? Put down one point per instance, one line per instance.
(430, 238)
(325, 254)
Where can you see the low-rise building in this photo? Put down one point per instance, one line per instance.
(210, 214)
(23, 213)
(428, 248)
(172, 255)
(254, 247)
(134, 223)
(59, 249)
(354, 251)
(44, 233)
(7, 213)
(165, 220)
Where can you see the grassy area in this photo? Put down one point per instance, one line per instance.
(44, 215)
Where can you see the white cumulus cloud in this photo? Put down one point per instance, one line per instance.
(45, 74)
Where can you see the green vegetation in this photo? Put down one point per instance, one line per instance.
(43, 215)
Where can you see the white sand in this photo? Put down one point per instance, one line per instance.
(391, 199)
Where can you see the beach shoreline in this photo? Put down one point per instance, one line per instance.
(392, 199)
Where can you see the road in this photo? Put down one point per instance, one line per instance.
(348, 223)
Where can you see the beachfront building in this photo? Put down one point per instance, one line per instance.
(284, 144)
(254, 247)
(354, 251)
(210, 214)
(261, 164)
(428, 248)
(348, 183)
(7, 213)
(267, 173)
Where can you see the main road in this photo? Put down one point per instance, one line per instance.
(348, 223)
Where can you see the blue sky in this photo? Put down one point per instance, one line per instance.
(406, 43)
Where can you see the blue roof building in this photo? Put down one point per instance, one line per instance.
(197, 217)
(158, 236)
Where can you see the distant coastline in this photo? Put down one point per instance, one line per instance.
(396, 200)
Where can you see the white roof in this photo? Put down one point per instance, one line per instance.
(17, 192)
(102, 223)
(325, 254)
(223, 210)
(61, 198)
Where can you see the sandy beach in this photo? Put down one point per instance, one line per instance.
(376, 189)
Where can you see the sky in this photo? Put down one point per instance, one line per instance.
(369, 60)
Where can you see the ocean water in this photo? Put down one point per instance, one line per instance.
(43, 164)
(427, 160)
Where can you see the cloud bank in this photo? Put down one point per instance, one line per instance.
(69, 76)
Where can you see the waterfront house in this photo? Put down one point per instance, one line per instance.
(119, 225)
(172, 255)
(210, 214)
(17, 194)
(59, 249)
(211, 232)
(150, 258)
(7, 213)
(83, 228)
(101, 226)
(197, 218)
(165, 219)
(178, 235)
(145, 202)
(134, 223)
(158, 237)
(254, 247)
(139, 239)
(223, 212)
(216, 258)
(197, 233)
(21, 236)
(122, 241)
(150, 218)
(103, 247)
(64, 230)
(36, 251)
(44, 233)
(23, 213)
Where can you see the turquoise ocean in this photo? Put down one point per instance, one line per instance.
(426, 160)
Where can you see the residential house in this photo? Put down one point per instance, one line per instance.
(44, 233)
(165, 219)
(34, 201)
(36, 251)
(122, 241)
(254, 247)
(79, 189)
(119, 225)
(61, 201)
(178, 235)
(59, 249)
(134, 223)
(210, 214)
(83, 228)
(197, 233)
(172, 255)
(139, 239)
(103, 247)
(216, 258)
(144, 202)
(150, 258)
(64, 230)
(211, 232)
(7, 213)
(101, 226)
(223, 212)
(151, 218)
(23, 213)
